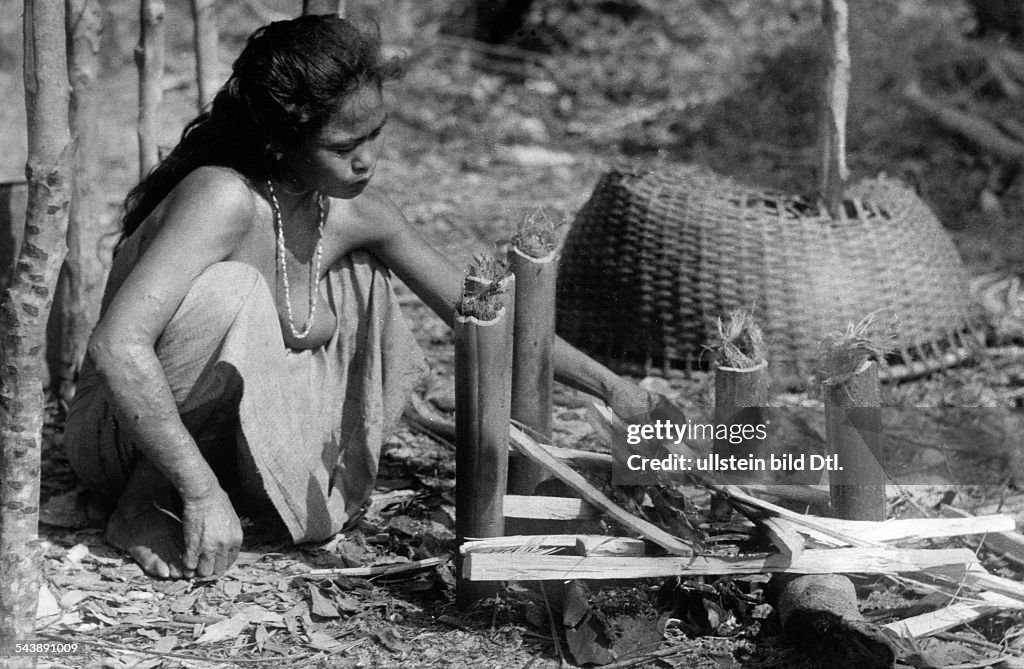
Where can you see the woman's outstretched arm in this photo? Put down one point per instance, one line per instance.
(439, 284)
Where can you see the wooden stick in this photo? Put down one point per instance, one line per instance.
(1007, 542)
(76, 302)
(548, 508)
(532, 371)
(532, 567)
(483, 377)
(853, 427)
(379, 570)
(834, 172)
(204, 31)
(977, 130)
(149, 59)
(524, 444)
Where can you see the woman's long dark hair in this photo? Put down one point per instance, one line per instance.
(284, 85)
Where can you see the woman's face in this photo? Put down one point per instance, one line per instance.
(339, 160)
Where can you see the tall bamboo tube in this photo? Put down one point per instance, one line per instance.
(149, 59)
(532, 371)
(853, 428)
(24, 310)
(483, 380)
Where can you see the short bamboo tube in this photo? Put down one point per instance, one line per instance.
(483, 377)
(740, 397)
(853, 427)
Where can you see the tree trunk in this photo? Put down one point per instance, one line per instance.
(204, 23)
(834, 172)
(149, 59)
(25, 307)
(80, 286)
(323, 7)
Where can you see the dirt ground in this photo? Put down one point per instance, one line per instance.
(474, 145)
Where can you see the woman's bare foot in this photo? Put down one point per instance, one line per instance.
(142, 526)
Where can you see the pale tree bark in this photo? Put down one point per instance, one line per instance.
(149, 59)
(80, 286)
(323, 7)
(24, 310)
(204, 28)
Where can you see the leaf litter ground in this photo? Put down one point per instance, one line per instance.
(484, 137)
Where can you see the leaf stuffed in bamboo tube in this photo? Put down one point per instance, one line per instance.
(483, 376)
(533, 262)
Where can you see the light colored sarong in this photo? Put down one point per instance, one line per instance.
(313, 421)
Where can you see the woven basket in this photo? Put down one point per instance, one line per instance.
(654, 258)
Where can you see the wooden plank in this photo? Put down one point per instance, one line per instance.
(1007, 542)
(863, 560)
(917, 528)
(536, 453)
(954, 615)
(783, 536)
(548, 508)
(582, 544)
(935, 622)
(978, 577)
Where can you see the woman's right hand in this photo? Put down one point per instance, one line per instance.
(213, 534)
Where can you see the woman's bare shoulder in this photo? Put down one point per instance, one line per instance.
(378, 214)
(211, 194)
(229, 187)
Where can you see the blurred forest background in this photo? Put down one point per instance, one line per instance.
(732, 84)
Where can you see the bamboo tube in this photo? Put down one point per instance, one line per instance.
(149, 59)
(834, 172)
(204, 31)
(483, 378)
(853, 426)
(740, 397)
(532, 371)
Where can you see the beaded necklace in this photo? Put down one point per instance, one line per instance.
(314, 264)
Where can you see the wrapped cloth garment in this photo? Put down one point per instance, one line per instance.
(311, 421)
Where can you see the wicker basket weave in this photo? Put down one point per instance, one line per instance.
(654, 258)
